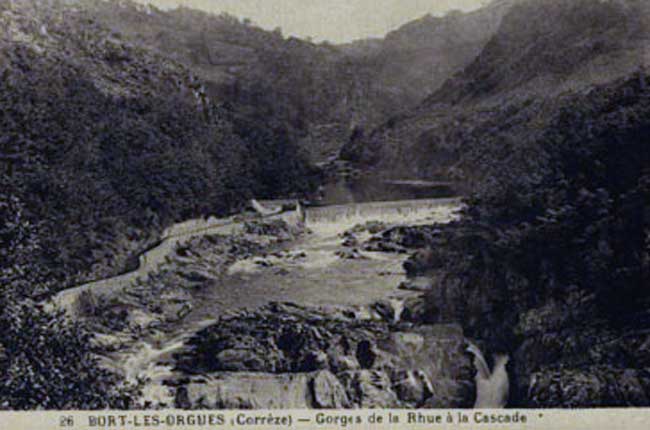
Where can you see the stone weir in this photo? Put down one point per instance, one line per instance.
(316, 219)
(403, 211)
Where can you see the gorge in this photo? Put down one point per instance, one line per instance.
(479, 176)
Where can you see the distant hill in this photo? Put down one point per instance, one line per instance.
(545, 47)
(319, 92)
(510, 92)
(322, 91)
(423, 54)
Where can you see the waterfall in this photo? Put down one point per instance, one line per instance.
(402, 212)
(398, 309)
(492, 388)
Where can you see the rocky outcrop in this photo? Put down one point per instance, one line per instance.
(324, 358)
(401, 239)
(328, 393)
(565, 353)
(245, 390)
(370, 388)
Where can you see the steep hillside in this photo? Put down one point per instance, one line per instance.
(325, 93)
(508, 94)
(421, 55)
(318, 91)
(545, 47)
(103, 144)
(551, 262)
(106, 143)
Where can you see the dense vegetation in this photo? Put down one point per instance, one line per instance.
(547, 132)
(46, 361)
(103, 145)
(112, 143)
(321, 92)
(559, 228)
(581, 201)
(118, 120)
(543, 48)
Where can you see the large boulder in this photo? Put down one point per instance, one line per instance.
(280, 338)
(341, 356)
(370, 388)
(328, 392)
(314, 360)
(352, 362)
(437, 354)
(422, 261)
(412, 387)
(239, 360)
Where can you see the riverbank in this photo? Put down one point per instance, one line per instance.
(565, 350)
(213, 281)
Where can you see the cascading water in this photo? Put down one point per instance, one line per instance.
(336, 219)
(316, 277)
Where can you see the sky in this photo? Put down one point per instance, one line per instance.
(337, 21)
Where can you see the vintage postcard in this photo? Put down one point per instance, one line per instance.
(324, 214)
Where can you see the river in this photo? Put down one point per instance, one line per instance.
(318, 278)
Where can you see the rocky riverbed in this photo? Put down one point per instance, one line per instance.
(273, 314)
(289, 356)
(353, 310)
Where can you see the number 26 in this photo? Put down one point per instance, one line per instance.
(66, 421)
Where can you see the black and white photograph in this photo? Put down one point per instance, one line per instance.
(217, 205)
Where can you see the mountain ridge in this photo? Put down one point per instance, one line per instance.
(429, 140)
(323, 91)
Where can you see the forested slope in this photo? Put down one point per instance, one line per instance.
(509, 93)
(551, 261)
(323, 93)
(103, 144)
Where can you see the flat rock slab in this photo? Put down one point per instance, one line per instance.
(247, 390)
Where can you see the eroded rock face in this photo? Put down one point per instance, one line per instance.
(404, 239)
(370, 389)
(424, 260)
(411, 237)
(437, 353)
(324, 359)
(412, 386)
(245, 390)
